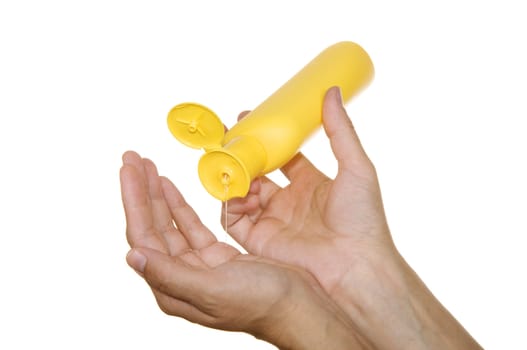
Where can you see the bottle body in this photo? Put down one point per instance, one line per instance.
(290, 115)
(271, 134)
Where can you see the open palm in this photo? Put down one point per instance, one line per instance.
(193, 275)
(191, 267)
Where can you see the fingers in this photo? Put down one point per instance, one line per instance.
(135, 160)
(236, 207)
(152, 203)
(243, 114)
(161, 215)
(243, 213)
(187, 221)
(239, 227)
(344, 140)
(269, 189)
(139, 221)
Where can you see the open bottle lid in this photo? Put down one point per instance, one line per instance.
(196, 126)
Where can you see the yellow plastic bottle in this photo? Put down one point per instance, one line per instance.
(270, 135)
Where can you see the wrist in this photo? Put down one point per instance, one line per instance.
(309, 319)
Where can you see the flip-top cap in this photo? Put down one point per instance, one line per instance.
(195, 126)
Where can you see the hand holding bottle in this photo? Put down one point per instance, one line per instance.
(336, 229)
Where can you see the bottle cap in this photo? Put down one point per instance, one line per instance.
(195, 126)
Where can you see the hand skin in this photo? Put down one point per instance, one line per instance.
(194, 276)
(337, 231)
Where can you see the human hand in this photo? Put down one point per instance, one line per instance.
(194, 276)
(325, 226)
(337, 230)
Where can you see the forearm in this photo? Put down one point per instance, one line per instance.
(396, 310)
(439, 328)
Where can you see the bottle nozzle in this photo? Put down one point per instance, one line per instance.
(225, 179)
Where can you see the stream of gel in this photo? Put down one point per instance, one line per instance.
(226, 202)
(226, 209)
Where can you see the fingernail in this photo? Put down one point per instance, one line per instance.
(339, 95)
(136, 260)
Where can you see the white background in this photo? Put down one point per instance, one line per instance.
(81, 82)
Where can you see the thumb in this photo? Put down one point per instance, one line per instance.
(344, 140)
(166, 274)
